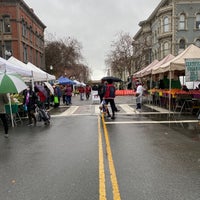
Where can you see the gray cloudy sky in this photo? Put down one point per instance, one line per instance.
(94, 23)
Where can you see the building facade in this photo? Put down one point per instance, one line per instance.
(21, 33)
(171, 28)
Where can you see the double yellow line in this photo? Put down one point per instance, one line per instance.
(113, 177)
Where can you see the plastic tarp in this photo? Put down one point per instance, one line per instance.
(6, 66)
(178, 63)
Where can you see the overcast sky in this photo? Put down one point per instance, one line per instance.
(94, 23)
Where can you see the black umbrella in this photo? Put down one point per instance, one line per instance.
(41, 89)
(111, 78)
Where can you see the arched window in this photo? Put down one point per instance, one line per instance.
(182, 22)
(182, 44)
(198, 21)
(166, 49)
(166, 24)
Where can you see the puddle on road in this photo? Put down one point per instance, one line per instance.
(189, 129)
(59, 110)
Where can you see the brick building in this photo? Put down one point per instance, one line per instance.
(21, 33)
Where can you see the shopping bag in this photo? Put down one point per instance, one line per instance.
(56, 99)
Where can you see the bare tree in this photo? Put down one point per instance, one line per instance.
(65, 57)
(120, 57)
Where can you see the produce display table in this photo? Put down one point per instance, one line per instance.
(185, 100)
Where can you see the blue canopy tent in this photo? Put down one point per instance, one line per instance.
(64, 81)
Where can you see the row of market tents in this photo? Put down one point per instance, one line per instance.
(28, 72)
(14, 74)
(170, 63)
(31, 73)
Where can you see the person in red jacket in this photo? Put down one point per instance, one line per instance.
(87, 91)
(81, 92)
(109, 96)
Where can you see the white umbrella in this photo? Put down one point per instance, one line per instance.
(11, 83)
(50, 87)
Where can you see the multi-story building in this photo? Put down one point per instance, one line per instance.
(21, 33)
(171, 28)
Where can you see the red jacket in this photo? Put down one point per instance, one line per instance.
(81, 90)
(68, 91)
(109, 92)
(88, 89)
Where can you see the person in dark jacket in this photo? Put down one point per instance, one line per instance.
(68, 94)
(109, 96)
(30, 100)
(4, 100)
(101, 90)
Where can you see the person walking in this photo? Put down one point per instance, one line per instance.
(87, 91)
(68, 94)
(109, 96)
(81, 92)
(30, 100)
(139, 92)
(57, 95)
(63, 89)
(101, 90)
(4, 100)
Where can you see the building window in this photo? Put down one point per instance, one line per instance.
(198, 21)
(166, 49)
(31, 34)
(166, 24)
(182, 44)
(31, 55)
(25, 53)
(36, 58)
(197, 42)
(6, 24)
(182, 22)
(6, 49)
(24, 29)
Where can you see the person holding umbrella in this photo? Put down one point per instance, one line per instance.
(4, 100)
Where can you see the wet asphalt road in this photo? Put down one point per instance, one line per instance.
(61, 161)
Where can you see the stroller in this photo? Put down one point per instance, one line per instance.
(42, 115)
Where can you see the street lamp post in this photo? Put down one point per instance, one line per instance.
(51, 68)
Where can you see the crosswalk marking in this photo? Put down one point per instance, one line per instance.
(94, 110)
(70, 111)
(127, 109)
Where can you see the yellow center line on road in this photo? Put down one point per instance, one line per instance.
(113, 177)
(102, 187)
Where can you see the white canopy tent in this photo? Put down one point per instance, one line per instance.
(37, 73)
(44, 75)
(139, 73)
(10, 67)
(161, 62)
(178, 62)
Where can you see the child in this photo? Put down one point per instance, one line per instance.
(104, 108)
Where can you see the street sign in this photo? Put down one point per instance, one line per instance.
(192, 69)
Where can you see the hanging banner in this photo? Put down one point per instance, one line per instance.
(192, 69)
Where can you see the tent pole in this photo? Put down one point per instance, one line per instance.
(170, 87)
(11, 114)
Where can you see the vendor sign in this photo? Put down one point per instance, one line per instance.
(192, 69)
